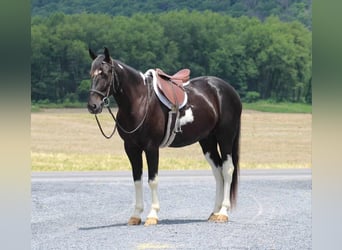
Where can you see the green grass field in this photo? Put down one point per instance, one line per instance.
(69, 140)
(264, 106)
(282, 107)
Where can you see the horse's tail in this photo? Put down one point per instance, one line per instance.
(235, 156)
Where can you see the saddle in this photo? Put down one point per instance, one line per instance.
(172, 85)
(171, 88)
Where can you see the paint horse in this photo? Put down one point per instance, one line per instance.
(210, 115)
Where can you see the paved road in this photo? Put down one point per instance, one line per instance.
(90, 211)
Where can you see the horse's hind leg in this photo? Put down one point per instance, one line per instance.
(227, 173)
(227, 169)
(223, 168)
(209, 148)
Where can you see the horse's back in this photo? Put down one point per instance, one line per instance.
(224, 98)
(218, 90)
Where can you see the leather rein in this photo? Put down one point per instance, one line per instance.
(106, 102)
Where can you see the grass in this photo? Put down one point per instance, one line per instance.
(103, 162)
(37, 107)
(69, 140)
(81, 162)
(264, 106)
(282, 107)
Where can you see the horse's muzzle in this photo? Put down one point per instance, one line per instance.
(94, 108)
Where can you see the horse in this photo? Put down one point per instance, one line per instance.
(211, 116)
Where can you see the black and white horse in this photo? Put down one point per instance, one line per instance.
(210, 115)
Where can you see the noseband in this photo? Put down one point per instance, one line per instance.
(105, 102)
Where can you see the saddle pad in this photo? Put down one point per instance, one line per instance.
(162, 96)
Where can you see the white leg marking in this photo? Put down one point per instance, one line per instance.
(219, 183)
(155, 202)
(187, 118)
(227, 172)
(139, 202)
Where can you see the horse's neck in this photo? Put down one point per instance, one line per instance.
(132, 86)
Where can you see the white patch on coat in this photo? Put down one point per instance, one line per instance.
(121, 67)
(97, 72)
(187, 118)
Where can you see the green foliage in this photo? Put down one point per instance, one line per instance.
(270, 57)
(251, 96)
(83, 90)
(287, 10)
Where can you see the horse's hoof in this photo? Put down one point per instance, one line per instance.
(134, 221)
(220, 218)
(151, 221)
(211, 217)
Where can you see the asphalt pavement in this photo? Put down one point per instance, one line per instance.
(90, 210)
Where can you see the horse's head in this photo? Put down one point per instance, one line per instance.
(102, 77)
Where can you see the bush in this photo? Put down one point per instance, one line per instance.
(83, 90)
(70, 97)
(252, 96)
(43, 102)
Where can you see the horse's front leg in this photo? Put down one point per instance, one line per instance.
(135, 157)
(152, 157)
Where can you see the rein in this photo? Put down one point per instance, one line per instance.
(105, 102)
(99, 125)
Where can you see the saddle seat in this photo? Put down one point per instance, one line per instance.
(172, 85)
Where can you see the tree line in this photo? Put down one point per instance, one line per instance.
(267, 59)
(286, 10)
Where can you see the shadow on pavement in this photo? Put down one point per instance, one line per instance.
(179, 221)
(102, 227)
(161, 222)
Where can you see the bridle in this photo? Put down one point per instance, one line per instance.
(105, 102)
(105, 95)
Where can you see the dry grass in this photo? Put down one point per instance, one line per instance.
(70, 140)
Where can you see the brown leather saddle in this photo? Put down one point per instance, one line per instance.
(172, 85)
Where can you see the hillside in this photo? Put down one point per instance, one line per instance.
(262, 47)
(286, 10)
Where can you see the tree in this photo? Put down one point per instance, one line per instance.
(270, 57)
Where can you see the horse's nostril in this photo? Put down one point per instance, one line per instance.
(92, 107)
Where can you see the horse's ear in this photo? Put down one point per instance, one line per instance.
(107, 56)
(92, 54)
